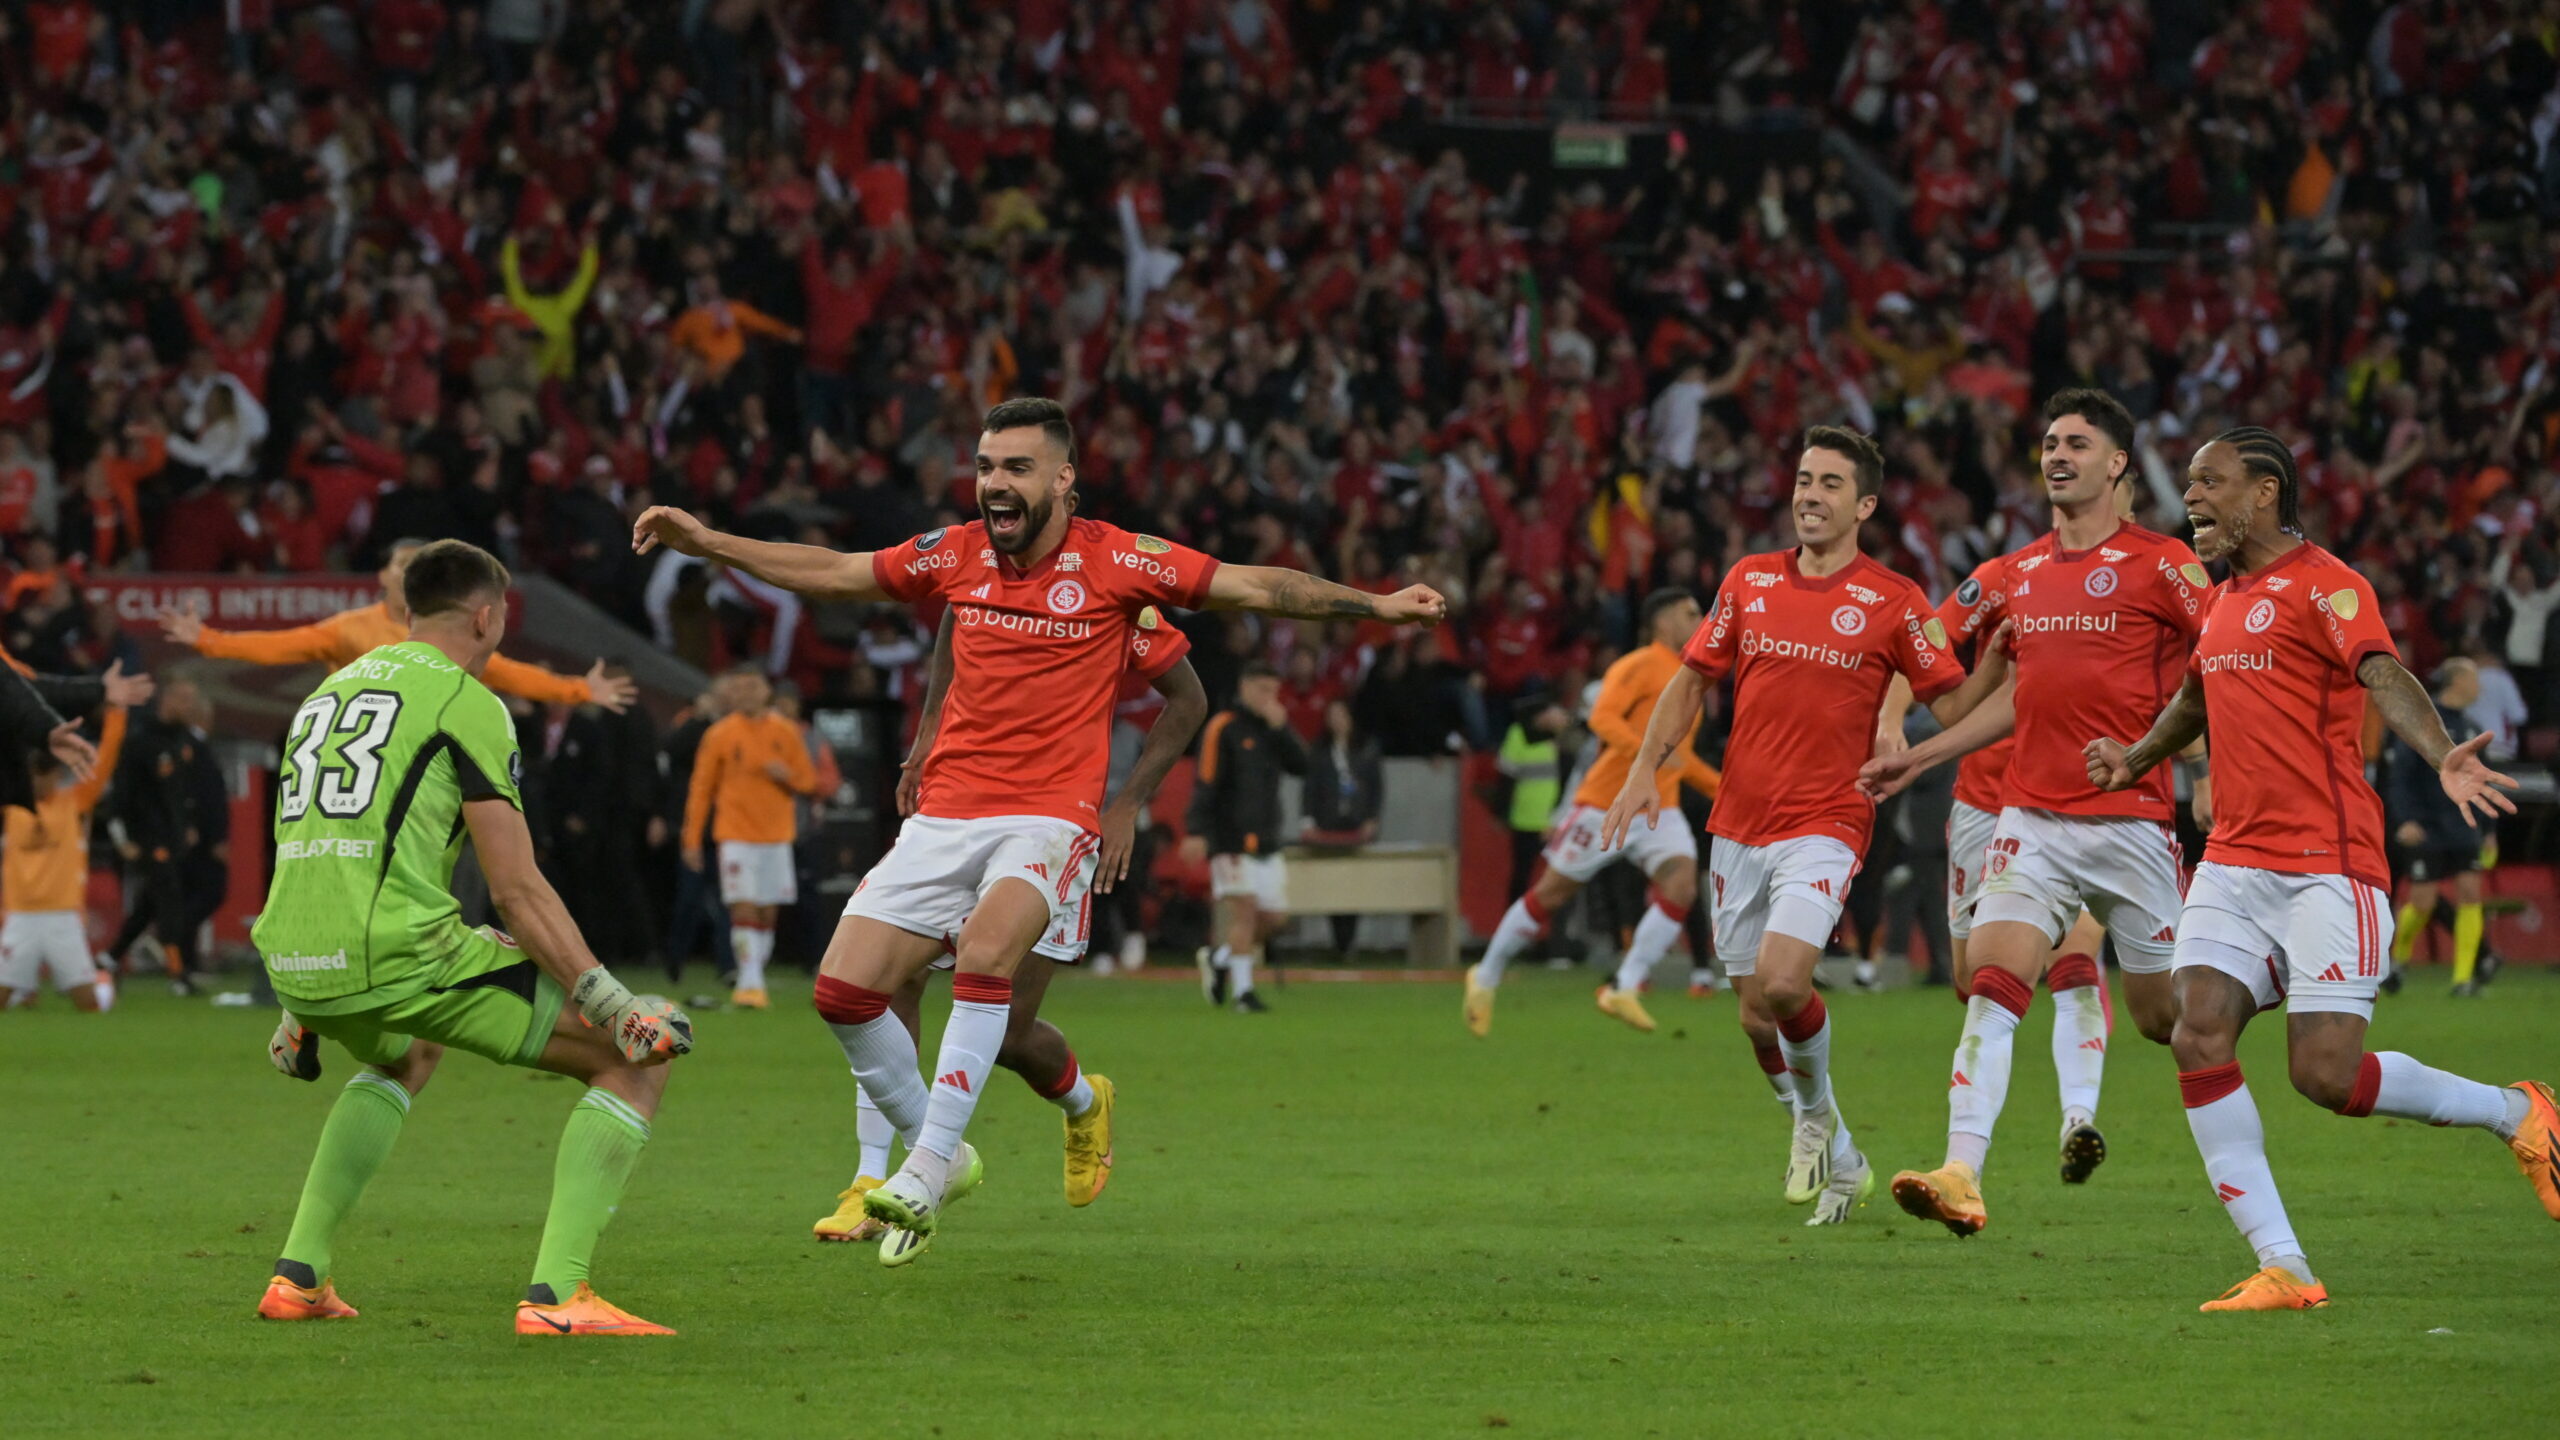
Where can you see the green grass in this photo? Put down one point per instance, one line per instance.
(1345, 1218)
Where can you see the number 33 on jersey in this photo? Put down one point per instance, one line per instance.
(377, 766)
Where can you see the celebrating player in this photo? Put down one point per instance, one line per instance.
(1972, 613)
(751, 768)
(45, 868)
(387, 766)
(1034, 1048)
(2289, 905)
(1667, 854)
(350, 633)
(1012, 793)
(2102, 614)
(1812, 636)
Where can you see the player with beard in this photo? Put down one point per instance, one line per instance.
(1812, 638)
(2289, 906)
(1045, 602)
(1035, 1049)
(2102, 614)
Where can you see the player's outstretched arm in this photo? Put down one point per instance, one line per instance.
(1980, 721)
(1675, 718)
(2116, 766)
(803, 569)
(1300, 596)
(647, 1029)
(1186, 705)
(2467, 779)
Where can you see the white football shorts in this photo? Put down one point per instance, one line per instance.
(2043, 869)
(1793, 887)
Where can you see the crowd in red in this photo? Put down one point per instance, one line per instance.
(281, 282)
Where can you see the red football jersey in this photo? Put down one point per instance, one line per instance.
(1970, 614)
(2102, 638)
(2278, 657)
(1810, 660)
(1037, 659)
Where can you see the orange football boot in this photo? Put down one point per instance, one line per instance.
(583, 1313)
(2537, 1145)
(2273, 1288)
(1950, 1195)
(285, 1300)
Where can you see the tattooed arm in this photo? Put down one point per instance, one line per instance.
(2113, 766)
(2467, 779)
(1300, 596)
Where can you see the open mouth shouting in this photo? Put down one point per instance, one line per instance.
(1011, 522)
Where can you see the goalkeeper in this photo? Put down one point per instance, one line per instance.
(386, 767)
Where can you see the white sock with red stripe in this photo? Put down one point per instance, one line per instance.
(1655, 934)
(1805, 1039)
(1773, 1064)
(1978, 1085)
(981, 1006)
(873, 1132)
(881, 1052)
(754, 944)
(1522, 923)
(2079, 1035)
(2391, 1083)
(2224, 1119)
(1072, 1092)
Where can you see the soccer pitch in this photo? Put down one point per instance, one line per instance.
(1344, 1218)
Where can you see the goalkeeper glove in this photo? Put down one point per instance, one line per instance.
(294, 1050)
(645, 1028)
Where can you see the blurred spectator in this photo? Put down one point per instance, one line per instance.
(1532, 766)
(1345, 794)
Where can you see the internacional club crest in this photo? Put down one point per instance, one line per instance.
(1849, 620)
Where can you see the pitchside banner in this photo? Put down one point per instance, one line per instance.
(242, 602)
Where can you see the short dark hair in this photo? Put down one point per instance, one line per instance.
(2098, 408)
(1048, 415)
(1865, 459)
(2263, 452)
(1659, 601)
(449, 575)
(1256, 670)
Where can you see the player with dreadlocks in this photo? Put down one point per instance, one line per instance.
(2289, 905)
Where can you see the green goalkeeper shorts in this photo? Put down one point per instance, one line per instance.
(488, 999)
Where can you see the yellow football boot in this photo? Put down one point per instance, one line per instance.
(1477, 1008)
(1950, 1195)
(755, 999)
(2273, 1288)
(849, 1223)
(1624, 1005)
(1089, 1145)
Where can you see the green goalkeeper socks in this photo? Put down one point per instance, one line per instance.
(362, 1128)
(597, 1152)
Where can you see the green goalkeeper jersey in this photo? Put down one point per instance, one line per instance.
(360, 912)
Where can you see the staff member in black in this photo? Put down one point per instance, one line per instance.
(1235, 823)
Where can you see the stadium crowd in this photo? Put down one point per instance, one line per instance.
(283, 282)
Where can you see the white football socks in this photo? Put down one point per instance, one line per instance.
(2224, 1119)
(883, 1058)
(1654, 937)
(1978, 1083)
(2394, 1084)
(981, 1005)
(1520, 925)
(874, 1133)
(754, 944)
